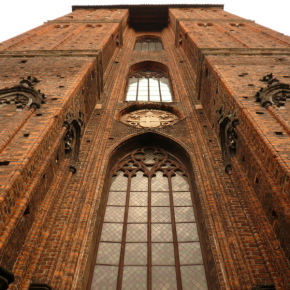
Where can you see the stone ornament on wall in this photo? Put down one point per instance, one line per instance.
(149, 118)
(275, 93)
(22, 95)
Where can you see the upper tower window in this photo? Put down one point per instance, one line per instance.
(149, 86)
(149, 43)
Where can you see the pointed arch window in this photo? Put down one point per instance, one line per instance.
(149, 86)
(148, 44)
(149, 237)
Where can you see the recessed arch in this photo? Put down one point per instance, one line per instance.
(165, 153)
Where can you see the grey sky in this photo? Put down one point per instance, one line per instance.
(17, 16)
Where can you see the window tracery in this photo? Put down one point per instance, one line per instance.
(149, 236)
(149, 85)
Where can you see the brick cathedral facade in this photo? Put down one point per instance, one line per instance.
(160, 93)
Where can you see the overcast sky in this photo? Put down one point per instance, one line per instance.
(18, 16)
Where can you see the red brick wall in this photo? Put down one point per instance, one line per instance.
(243, 216)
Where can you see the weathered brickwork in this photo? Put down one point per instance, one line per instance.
(56, 158)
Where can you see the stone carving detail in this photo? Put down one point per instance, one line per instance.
(149, 118)
(275, 93)
(23, 94)
(229, 140)
(72, 137)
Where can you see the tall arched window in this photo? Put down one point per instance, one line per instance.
(149, 85)
(149, 237)
(149, 43)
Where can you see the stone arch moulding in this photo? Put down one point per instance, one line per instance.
(178, 151)
(23, 95)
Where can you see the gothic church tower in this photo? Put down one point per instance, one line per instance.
(145, 147)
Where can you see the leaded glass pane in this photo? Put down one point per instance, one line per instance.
(193, 277)
(161, 233)
(119, 182)
(137, 214)
(184, 214)
(145, 46)
(143, 90)
(132, 89)
(152, 46)
(161, 214)
(162, 254)
(117, 198)
(160, 198)
(139, 182)
(138, 46)
(186, 232)
(138, 198)
(159, 182)
(109, 253)
(105, 277)
(163, 277)
(190, 253)
(112, 232)
(158, 46)
(114, 214)
(134, 277)
(135, 254)
(165, 90)
(154, 90)
(182, 198)
(136, 233)
(180, 182)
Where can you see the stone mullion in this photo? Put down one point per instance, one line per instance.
(137, 89)
(159, 87)
(124, 233)
(174, 233)
(149, 237)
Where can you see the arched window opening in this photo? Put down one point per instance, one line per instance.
(149, 43)
(149, 86)
(149, 237)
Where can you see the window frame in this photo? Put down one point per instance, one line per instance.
(165, 92)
